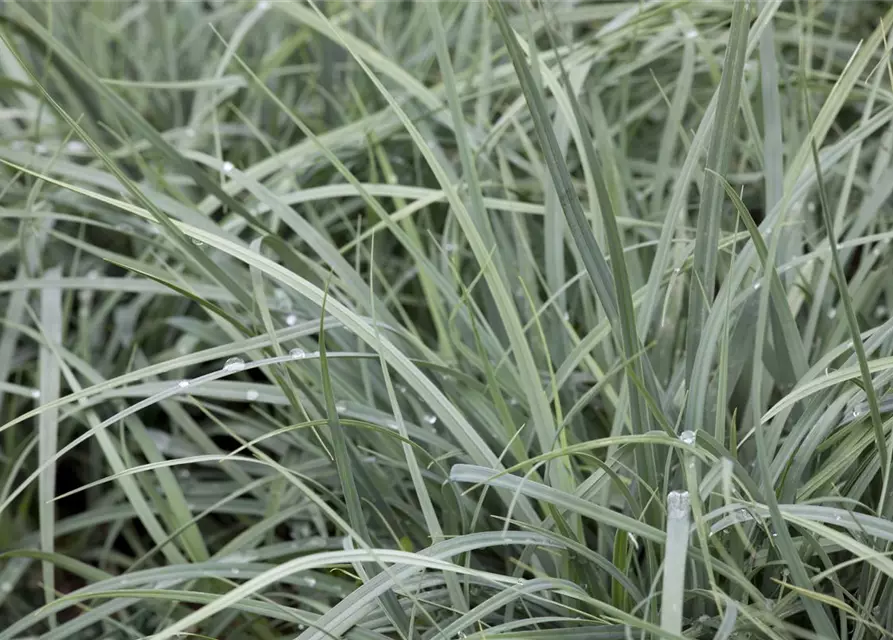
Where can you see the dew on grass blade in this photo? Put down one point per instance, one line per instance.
(251, 395)
(291, 320)
(228, 167)
(234, 364)
(687, 437)
(297, 354)
(430, 418)
(678, 517)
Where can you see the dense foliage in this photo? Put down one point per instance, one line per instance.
(418, 320)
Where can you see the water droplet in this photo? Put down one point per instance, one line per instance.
(251, 395)
(235, 571)
(691, 34)
(6, 587)
(263, 5)
(297, 354)
(450, 247)
(566, 316)
(234, 364)
(838, 518)
(880, 312)
(430, 418)
(702, 619)
(513, 402)
(688, 437)
(35, 393)
(677, 270)
(340, 406)
(291, 320)
(197, 242)
(76, 146)
(311, 582)
(757, 285)
(402, 388)
(810, 207)
(832, 313)
(183, 384)
(227, 166)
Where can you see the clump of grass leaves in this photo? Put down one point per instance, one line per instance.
(446, 320)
